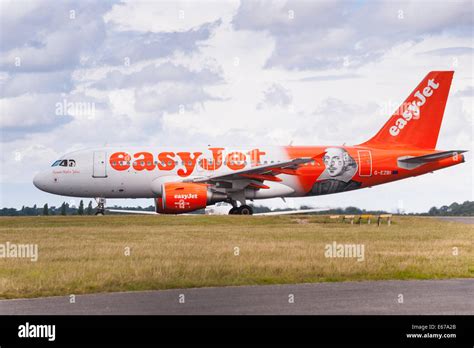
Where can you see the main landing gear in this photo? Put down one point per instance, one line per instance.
(100, 206)
(242, 210)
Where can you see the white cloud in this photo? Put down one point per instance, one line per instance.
(172, 97)
(168, 16)
(334, 34)
(29, 110)
(156, 74)
(43, 82)
(276, 95)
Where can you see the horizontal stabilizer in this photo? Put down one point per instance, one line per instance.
(433, 157)
(142, 212)
(294, 212)
(412, 162)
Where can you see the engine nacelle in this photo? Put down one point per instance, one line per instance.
(181, 197)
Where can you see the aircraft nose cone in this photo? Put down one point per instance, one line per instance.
(40, 181)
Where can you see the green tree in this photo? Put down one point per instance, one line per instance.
(45, 209)
(63, 208)
(89, 208)
(80, 210)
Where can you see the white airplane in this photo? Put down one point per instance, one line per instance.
(185, 180)
(180, 181)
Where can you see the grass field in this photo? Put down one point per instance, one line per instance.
(88, 254)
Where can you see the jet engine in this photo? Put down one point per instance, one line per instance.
(180, 197)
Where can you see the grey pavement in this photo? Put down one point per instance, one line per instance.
(451, 296)
(463, 219)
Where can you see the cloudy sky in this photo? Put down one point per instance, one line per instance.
(228, 73)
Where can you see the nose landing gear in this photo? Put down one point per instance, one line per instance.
(100, 206)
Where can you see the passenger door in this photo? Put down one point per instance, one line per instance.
(365, 163)
(99, 166)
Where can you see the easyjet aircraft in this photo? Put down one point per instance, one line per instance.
(187, 179)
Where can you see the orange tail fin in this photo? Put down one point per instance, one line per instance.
(417, 121)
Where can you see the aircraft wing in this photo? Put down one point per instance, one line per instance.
(431, 157)
(143, 212)
(261, 173)
(290, 212)
(273, 213)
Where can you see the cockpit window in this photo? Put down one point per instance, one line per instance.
(64, 163)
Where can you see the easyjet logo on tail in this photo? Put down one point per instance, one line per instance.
(413, 109)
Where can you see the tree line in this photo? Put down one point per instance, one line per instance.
(455, 209)
(63, 209)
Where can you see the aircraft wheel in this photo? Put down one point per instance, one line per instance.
(99, 213)
(245, 210)
(233, 211)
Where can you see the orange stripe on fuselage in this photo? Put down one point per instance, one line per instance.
(306, 174)
(382, 169)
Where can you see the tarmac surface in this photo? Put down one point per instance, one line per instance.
(463, 219)
(450, 296)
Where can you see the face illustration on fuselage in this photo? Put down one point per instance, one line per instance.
(334, 161)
